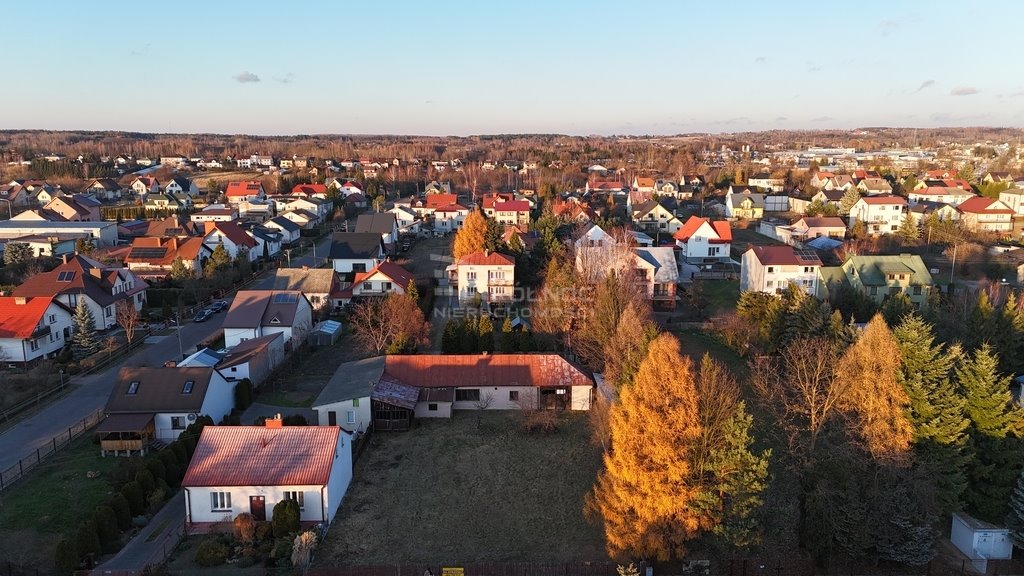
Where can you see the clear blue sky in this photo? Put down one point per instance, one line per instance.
(470, 67)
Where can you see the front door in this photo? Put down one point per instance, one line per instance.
(258, 508)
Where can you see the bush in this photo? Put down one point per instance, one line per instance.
(165, 487)
(65, 557)
(106, 528)
(286, 519)
(211, 553)
(172, 470)
(132, 492)
(282, 551)
(122, 511)
(245, 527)
(146, 480)
(294, 420)
(181, 453)
(156, 468)
(543, 421)
(264, 530)
(156, 499)
(87, 541)
(243, 394)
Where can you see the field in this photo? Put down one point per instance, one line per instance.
(52, 500)
(465, 490)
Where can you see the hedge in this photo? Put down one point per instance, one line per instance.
(132, 492)
(122, 511)
(106, 528)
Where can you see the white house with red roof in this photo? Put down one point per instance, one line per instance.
(943, 194)
(32, 328)
(385, 278)
(449, 218)
(773, 268)
(245, 191)
(309, 190)
(643, 184)
(232, 237)
(144, 185)
(514, 212)
(880, 214)
(488, 275)
(704, 240)
(985, 215)
(251, 469)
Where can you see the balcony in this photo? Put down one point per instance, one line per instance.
(500, 282)
(40, 331)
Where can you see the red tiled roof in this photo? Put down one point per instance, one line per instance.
(512, 206)
(232, 232)
(440, 200)
(783, 256)
(690, 227)
(243, 188)
(309, 189)
(605, 185)
(87, 276)
(981, 205)
(20, 320)
(451, 208)
(884, 199)
(261, 456)
(445, 370)
(400, 276)
(645, 182)
(483, 258)
(489, 200)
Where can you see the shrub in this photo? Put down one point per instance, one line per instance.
(294, 420)
(65, 557)
(106, 527)
(211, 553)
(181, 453)
(165, 487)
(543, 421)
(172, 470)
(264, 530)
(87, 541)
(156, 499)
(245, 527)
(243, 394)
(286, 519)
(146, 480)
(282, 551)
(132, 492)
(122, 511)
(156, 468)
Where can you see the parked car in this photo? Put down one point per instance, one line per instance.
(219, 306)
(203, 315)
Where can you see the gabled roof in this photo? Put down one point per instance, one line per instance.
(247, 349)
(184, 183)
(262, 456)
(19, 320)
(876, 184)
(399, 276)
(232, 232)
(309, 189)
(285, 224)
(238, 189)
(645, 182)
(351, 380)
(171, 226)
(512, 206)
(723, 233)
(356, 245)
(80, 275)
(872, 269)
(442, 371)
(832, 195)
(485, 258)
(106, 184)
(662, 259)
(163, 251)
(305, 280)
(884, 199)
(254, 308)
(143, 390)
(822, 222)
(982, 205)
(439, 200)
(378, 222)
(785, 256)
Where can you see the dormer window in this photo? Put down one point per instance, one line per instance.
(187, 388)
(133, 388)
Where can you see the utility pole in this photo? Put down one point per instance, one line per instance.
(177, 322)
(953, 267)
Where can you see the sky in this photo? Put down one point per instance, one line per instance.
(530, 66)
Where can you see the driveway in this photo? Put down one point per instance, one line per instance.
(152, 544)
(91, 393)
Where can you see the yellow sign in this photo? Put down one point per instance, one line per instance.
(453, 572)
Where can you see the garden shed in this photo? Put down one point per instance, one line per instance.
(325, 333)
(980, 541)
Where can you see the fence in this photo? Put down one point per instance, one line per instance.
(63, 440)
(475, 569)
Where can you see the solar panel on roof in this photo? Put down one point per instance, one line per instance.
(147, 253)
(805, 255)
(66, 276)
(285, 298)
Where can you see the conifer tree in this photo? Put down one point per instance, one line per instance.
(485, 330)
(508, 337)
(469, 336)
(1015, 520)
(850, 197)
(179, 271)
(645, 493)
(980, 322)
(936, 409)
(411, 291)
(471, 237)
(83, 341)
(450, 338)
(908, 231)
(1011, 345)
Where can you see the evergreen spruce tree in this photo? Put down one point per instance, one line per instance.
(850, 197)
(485, 330)
(469, 336)
(908, 231)
(83, 341)
(508, 337)
(450, 338)
(412, 292)
(980, 322)
(937, 410)
(1011, 344)
(1015, 520)
(179, 271)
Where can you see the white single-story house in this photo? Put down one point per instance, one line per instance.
(345, 400)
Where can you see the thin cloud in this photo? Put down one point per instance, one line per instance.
(822, 119)
(925, 84)
(760, 60)
(781, 118)
(887, 26)
(963, 91)
(812, 67)
(286, 79)
(246, 77)
(1016, 94)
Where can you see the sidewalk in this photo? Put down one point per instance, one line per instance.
(154, 542)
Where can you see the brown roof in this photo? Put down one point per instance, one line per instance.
(305, 280)
(159, 390)
(485, 258)
(441, 371)
(440, 200)
(981, 205)
(884, 199)
(80, 275)
(823, 222)
(253, 308)
(785, 256)
(398, 275)
(232, 232)
(261, 456)
(171, 226)
(246, 349)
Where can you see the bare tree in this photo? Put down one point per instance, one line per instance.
(127, 317)
(395, 321)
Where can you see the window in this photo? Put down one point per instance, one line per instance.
(917, 290)
(513, 395)
(432, 407)
(133, 388)
(771, 269)
(808, 269)
(359, 267)
(467, 395)
(355, 402)
(53, 318)
(177, 422)
(34, 345)
(108, 311)
(470, 275)
(874, 290)
(386, 286)
(220, 501)
(296, 496)
(368, 286)
(187, 387)
(350, 417)
(770, 283)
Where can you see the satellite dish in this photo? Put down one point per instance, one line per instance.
(191, 417)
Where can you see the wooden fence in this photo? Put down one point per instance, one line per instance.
(59, 442)
(474, 569)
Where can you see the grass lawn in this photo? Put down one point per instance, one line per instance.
(298, 381)
(52, 500)
(721, 295)
(450, 491)
(743, 236)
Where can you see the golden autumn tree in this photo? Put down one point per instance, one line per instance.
(645, 494)
(875, 395)
(471, 237)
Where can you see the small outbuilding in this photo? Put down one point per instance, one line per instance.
(980, 541)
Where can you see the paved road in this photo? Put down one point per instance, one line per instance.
(152, 543)
(92, 392)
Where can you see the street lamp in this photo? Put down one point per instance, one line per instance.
(61, 378)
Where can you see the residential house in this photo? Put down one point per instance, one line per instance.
(55, 245)
(819, 179)
(434, 385)
(32, 329)
(345, 399)
(772, 269)
(1014, 198)
(255, 313)
(290, 231)
(256, 211)
(355, 251)
(405, 218)
(385, 278)
(210, 163)
(383, 223)
(75, 208)
(879, 214)
(216, 213)
(764, 181)
(244, 163)
(643, 184)
(981, 214)
(702, 240)
(808, 228)
(942, 194)
(514, 212)
(832, 197)
(245, 191)
(924, 209)
(168, 203)
(939, 174)
(172, 161)
(998, 177)
(255, 359)
(745, 204)
(176, 225)
(251, 469)
(159, 403)
(873, 186)
(573, 211)
(839, 182)
(653, 218)
(232, 237)
(658, 273)
(104, 188)
(314, 206)
(609, 186)
(309, 191)
(268, 240)
(316, 284)
(449, 218)
(181, 185)
(153, 257)
(880, 276)
(103, 234)
(303, 218)
(489, 276)
(591, 235)
(82, 277)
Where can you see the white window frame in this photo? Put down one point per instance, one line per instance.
(220, 501)
(298, 496)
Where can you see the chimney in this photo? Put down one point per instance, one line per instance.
(486, 252)
(64, 258)
(274, 422)
(208, 226)
(20, 300)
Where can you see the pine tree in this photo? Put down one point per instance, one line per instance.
(411, 290)
(508, 337)
(17, 252)
(219, 260)
(1011, 345)
(469, 336)
(895, 307)
(936, 410)
(485, 329)
(996, 423)
(981, 322)
(850, 197)
(645, 492)
(908, 231)
(179, 271)
(1015, 520)
(471, 237)
(83, 341)
(450, 338)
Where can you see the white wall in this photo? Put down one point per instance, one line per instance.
(199, 501)
(220, 398)
(362, 414)
(341, 476)
(345, 266)
(444, 410)
(232, 336)
(581, 396)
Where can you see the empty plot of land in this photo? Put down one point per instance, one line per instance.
(471, 489)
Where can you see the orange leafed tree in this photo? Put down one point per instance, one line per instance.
(875, 397)
(471, 237)
(645, 494)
